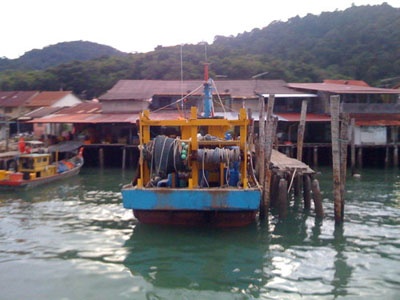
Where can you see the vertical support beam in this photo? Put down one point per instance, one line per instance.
(395, 133)
(335, 109)
(360, 157)
(101, 157)
(301, 129)
(261, 154)
(297, 185)
(315, 156)
(283, 197)
(307, 191)
(261, 140)
(274, 190)
(344, 141)
(387, 160)
(270, 133)
(353, 146)
(317, 197)
(123, 157)
(7, 136)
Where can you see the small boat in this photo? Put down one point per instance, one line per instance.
(33, 169)
(200, 176)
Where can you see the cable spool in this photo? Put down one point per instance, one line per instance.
(218, 155)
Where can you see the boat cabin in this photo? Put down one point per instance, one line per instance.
(36, 165)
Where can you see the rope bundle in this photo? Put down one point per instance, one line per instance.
(218, 155)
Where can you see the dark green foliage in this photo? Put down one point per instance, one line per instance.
(359, 43)
(58, 54)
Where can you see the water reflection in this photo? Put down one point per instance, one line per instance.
(343, 271)
(200, 259)
(78, 231)
(288, 257)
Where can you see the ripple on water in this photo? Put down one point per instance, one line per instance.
(75, 241)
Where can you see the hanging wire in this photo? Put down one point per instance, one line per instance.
(219, 97)
(177, 101)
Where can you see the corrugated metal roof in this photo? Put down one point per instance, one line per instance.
(85, 112)
(378, 123)
(146, 89)
(342, 88)
(298, 95)
(41, 112)
(347, 82)
(376, 119)
(88, 118)
(47, 98)
(87, 107)
(15, 98)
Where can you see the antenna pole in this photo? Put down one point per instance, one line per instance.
(208, 105)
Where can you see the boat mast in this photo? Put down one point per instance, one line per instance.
(208, 104)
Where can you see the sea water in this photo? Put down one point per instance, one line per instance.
(73, 240)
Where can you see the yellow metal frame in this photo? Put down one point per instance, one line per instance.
(189, 130)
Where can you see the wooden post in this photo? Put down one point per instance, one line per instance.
(360, 157)
(344, 141)
(315, 156)
(301, 129)
(101, 157)
(123, 157)
(297, 185)
(270, 133)
(353, 146)
(395, 133)
(307, 191)
(335, 109)
(274, 190)
(317, 197)
(283, 196)
(387, 160)
(261, 153)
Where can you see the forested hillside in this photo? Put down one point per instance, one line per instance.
(362, 42)
(57, 54)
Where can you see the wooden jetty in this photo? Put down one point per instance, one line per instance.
(290, 174)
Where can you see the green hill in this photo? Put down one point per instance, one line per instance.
(40, 59)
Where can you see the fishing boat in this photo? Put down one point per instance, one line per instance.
(34, 169)
(200, 176)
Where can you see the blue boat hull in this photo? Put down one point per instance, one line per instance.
(213, 206)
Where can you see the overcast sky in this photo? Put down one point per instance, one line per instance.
(142, 25)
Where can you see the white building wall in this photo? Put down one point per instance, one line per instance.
(370, 135)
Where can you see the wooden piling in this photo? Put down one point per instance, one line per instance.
(307, 191)
(395, 133)
(101, 157)
(283, 197)
(360, 157)
(335, 134)
(274, 195)
(261, 153)
(270, 133)
(344, 141)
(315, 156)
(297, 185)
(387, 159)
(123, 157)
(301, 129)
(353, 147)
(317, 197)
